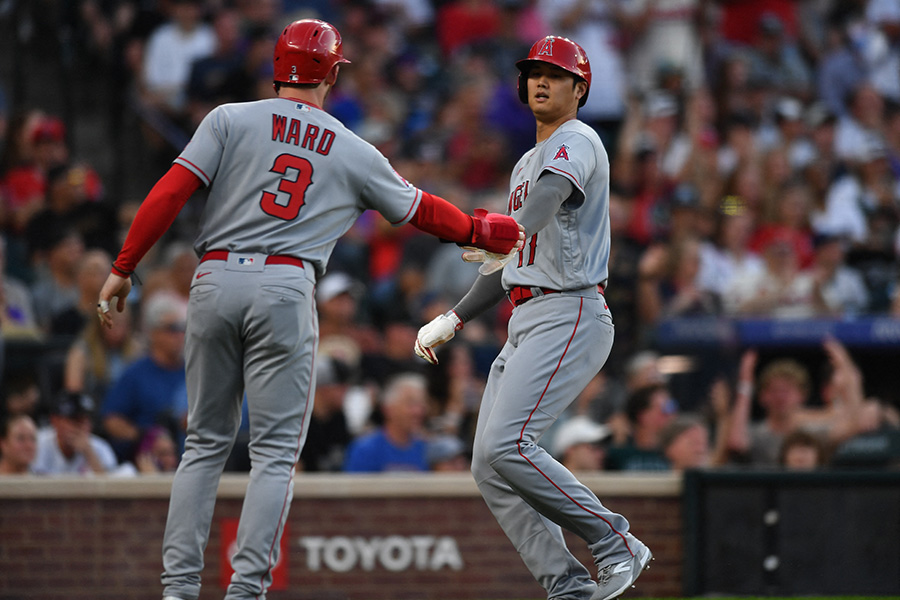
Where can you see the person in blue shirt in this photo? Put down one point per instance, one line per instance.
(398, 445)
(151, 391)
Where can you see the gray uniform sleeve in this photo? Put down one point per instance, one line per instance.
(544, 201)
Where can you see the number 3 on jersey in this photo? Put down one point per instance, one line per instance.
(294, 188)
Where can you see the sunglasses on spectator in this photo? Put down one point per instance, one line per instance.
(177, 327)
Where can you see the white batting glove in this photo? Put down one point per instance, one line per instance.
(438, 331)
(491, 261)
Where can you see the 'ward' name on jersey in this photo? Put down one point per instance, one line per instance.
(313, 138)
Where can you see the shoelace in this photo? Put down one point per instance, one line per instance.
(603, 575)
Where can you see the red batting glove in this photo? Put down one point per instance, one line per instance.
(495, 232)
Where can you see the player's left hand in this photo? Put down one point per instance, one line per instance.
(491, 261)
(117, 287)
(497, 233)
(438, 331)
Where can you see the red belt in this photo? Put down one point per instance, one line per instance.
(270, 260)
(520, 295)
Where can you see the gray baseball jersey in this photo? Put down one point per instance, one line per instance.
(286, 178)
(572, 252)
(557, 342)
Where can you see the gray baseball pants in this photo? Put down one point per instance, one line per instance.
(556, 344)
(251, 327)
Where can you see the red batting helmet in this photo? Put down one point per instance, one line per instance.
(306, 50)
(559, 51)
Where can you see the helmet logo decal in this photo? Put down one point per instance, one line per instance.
(546, 48)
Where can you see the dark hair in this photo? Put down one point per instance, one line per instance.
(640, 400)
(802, 438)
(299, 86)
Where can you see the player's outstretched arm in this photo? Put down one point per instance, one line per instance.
(547, 195)
(489, 231)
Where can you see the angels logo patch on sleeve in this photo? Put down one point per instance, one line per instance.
(562, 153)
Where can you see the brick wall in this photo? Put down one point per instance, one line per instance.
(405, 539)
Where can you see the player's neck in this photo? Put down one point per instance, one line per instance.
(546, 128)
(314, 97)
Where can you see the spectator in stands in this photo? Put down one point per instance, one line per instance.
(454, 392)
(157, 452)
(55, 289)
(397, 445)
(784, 390)
(786, 214)
(852, 199)
(775, 57)
(728, 256)
(781, 290)
(100, 354)
(327, 435)
(446, 454)
(90, 274)
(841, 69)
(73, 199)
(801, 451)
(685, 443)
(151, 391)
(863, 121)
(663, 37)
(38, 145)
(670, 285)
(649, 410)
(579, 444)
(68, 446)
(596, 27)
(461, 23)
(176, 273)
(170, 51)
(17, 318)
(18, 445)
(21, 394)
(841, 288)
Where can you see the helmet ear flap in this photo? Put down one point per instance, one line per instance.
(523, 87)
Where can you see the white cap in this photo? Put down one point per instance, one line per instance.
(578, 430)
(335, 284)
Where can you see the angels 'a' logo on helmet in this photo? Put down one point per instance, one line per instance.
(546, 48)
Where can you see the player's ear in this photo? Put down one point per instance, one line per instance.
(580, 88)
(332, 76)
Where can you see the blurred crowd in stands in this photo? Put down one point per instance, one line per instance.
(755, 172)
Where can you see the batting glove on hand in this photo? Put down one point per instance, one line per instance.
(438, 331)
(491, 261)
(497, 233)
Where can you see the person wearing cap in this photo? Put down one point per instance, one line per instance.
(446, 454)
(577, 444)
(68, 445)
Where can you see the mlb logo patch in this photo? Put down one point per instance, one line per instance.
(245, 261)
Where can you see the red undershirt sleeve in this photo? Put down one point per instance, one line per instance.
(438, 217)
(155, 216)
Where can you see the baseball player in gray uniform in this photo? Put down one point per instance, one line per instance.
(560, 335)
(285, 180)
